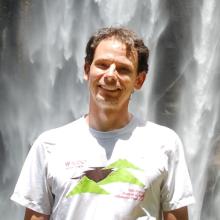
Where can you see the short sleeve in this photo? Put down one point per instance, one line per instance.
(32, 189)
(176, 191)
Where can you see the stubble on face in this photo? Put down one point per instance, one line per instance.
(111, 75)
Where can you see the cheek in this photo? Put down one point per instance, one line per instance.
(94, 77)
(127, 80)
(95, 73)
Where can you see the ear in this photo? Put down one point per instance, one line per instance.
(86, 71)
(140, 78)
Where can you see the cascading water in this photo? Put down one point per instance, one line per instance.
(41, 80)
(200, 119)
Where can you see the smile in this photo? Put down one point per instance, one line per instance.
(110, 89)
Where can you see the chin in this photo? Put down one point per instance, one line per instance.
(110, 104)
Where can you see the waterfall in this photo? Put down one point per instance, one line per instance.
(42, 49)
(200, 102)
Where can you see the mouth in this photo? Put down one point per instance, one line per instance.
(110, 88)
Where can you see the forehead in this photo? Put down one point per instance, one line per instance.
(114, 47)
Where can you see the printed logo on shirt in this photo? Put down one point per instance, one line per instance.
(74, 164)
(94, 180)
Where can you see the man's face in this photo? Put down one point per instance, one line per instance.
(112, 75)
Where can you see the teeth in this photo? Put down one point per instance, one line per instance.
(110, 89)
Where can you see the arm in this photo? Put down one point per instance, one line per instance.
(32, 215)
(177, 214)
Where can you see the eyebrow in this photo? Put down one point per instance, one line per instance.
(127, 66)
(109, 60)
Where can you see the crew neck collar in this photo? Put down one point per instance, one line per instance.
(116, 132)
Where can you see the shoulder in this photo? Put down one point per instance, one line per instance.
(162, 131)
(156, 130)
(159, 135)
(53, 137)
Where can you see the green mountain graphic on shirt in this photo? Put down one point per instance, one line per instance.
(122, 164)
(86, 186)
(119, 174)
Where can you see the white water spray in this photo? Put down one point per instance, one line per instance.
(200, 105)
(46, 88)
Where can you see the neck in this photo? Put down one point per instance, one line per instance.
(107, 119)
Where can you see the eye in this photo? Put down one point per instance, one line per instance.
(124, 70)
(102, 66)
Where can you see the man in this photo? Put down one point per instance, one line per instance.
(107, 165)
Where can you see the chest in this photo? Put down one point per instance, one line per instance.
(133, 162)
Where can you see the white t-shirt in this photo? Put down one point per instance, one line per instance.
(75, 172)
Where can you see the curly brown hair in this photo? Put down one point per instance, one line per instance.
(126, 36)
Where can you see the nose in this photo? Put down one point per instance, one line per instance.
(110, 73)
